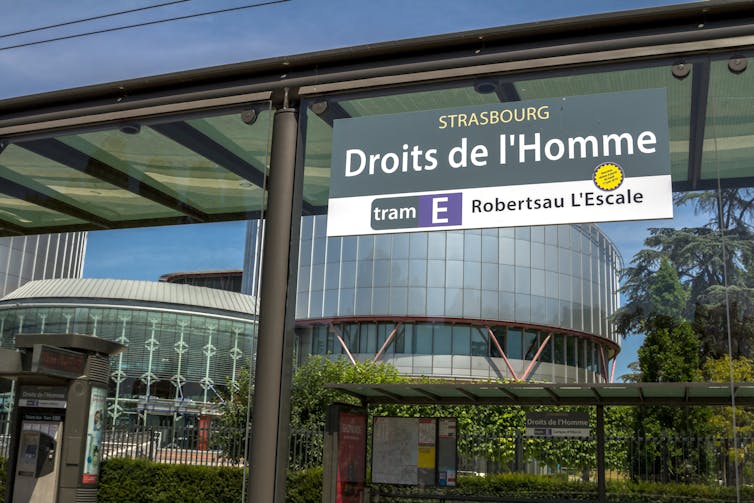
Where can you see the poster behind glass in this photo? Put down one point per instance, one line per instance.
(95, 425)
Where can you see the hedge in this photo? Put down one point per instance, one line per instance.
(559, 488)
(3, 474)
(126, 480)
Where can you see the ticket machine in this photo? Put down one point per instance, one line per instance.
(58, 416)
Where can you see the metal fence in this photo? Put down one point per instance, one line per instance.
(654, 459)
(657, 459)
(203, 446)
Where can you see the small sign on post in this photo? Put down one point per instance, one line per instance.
(557, 424)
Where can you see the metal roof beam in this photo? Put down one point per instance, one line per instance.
(700, 76)
(196, 141)
(13, 189)
(329, 111)
(398, 398)
(11, 229)
(472, 396)
(61, 153)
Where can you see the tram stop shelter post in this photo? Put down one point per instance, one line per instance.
(535, 394)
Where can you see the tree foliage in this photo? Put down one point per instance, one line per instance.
(714, 267)
(234, 411)
(493, 434)
(670, 353)
(310, 395)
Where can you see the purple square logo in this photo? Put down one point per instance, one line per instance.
(438, 210)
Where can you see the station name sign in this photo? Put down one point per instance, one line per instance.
(594, 158)
(557, 424)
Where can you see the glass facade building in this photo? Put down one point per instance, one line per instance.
(42, 256)
(184, 344)
(528, 303)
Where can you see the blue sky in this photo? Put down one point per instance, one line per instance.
(292, 27)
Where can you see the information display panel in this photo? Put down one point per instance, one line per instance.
(414, 451)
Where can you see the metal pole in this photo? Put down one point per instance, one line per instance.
(601, 493)
(269, 433)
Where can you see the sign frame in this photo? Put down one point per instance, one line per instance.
(539, 162)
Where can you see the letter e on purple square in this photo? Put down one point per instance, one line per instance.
(438, 210)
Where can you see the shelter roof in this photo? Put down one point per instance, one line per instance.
(194, 146)
(516, 394)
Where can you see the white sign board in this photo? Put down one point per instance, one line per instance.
(595, 158)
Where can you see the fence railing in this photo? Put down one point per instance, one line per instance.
(657, 459)
(705, 460)
(202, 446)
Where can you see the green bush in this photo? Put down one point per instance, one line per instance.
(127, 480)
(304, 486)
(557, 488)
(3, 474)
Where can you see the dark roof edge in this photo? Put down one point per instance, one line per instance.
(686, 16)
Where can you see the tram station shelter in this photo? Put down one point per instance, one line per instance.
(528, 394)
(265, 139)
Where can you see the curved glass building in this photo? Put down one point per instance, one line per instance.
(528, 303)
(185, 343)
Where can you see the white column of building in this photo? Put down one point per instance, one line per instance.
(209, 352)
(96, 318)
(235, 355)
(181, 348)
(147, 377)
(118, 376)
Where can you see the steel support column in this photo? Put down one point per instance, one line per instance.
(342, 342)
(601, 491)
(269, 433)
(536, 358)
(494, 341)
(387, 342)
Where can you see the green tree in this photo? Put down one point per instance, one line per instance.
(651, 292)
(670, 353)
(234, 411)
(714, 265)
(723, 418)
(310, 395)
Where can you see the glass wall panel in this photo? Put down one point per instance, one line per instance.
(479, 343)
(514, 344)
(423, 340)
(461, 340)
(442, 338)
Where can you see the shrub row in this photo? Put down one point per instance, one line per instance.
(3, 468)
(558, 488)
(126, 481)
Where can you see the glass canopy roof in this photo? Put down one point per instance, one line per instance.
(552, 394)
(210, 164)
(142, 173)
